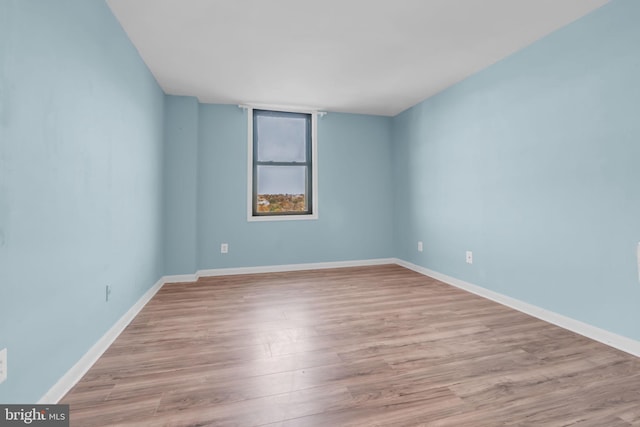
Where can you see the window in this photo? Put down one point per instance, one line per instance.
(282, 165)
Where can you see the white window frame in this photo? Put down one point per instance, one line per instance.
(314, 167)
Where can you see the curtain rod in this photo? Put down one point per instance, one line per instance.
(284, 109)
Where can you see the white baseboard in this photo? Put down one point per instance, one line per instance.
(276, 269)
(78, 370)
(180, 278)
(611, 339)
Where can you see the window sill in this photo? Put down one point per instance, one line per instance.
(265, 218)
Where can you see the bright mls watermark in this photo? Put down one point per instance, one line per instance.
(34, 415)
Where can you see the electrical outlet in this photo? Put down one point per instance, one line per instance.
(419, 246)
(469, 257)
(107, 293)
(638, 256)
(3, 365)
(224, 248)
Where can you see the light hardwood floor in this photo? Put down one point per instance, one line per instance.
(370, 346)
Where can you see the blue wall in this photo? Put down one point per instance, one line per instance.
(80, 184)
(355, 219)
(533, 165)
(180, 183)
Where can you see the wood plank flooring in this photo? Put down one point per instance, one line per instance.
(370, 346)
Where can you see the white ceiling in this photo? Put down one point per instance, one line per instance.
(361, 56)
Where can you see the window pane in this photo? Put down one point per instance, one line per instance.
(282, 188)
(281, 138)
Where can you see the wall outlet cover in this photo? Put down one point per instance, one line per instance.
(420, 247)
(3, 365)
(638, 256)
(224, 248)
(469, 257)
